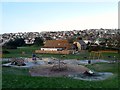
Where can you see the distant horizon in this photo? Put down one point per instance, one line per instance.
(58, 16)
(61, 30)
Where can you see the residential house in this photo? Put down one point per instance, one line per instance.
(56, 47)
(80, 44)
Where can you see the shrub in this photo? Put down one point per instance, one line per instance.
(5, 52)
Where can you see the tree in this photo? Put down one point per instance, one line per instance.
(114, 41)
(71, 40)
(10, 45)
(19, 42)
(13, 44)
(38, 41)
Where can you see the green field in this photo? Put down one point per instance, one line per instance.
(18, 52)
(20, 78)
(29, 50)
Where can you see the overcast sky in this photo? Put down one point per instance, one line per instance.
(57, 16)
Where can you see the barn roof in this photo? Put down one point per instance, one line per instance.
(57, 44)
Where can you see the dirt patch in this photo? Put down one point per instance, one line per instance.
(46, 70)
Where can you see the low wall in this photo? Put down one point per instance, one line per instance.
(108, 51)
(54, 52)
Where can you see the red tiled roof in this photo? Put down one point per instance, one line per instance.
(57, 44)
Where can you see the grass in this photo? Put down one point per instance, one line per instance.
(20, 78)
(15, 71)
(113, 67)
(55, 82)
(29, 50)
(18, 52)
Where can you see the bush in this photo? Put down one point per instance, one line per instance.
(38, 41)
(5, 52)
(13, 44)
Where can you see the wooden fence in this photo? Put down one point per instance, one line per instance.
(109, 51)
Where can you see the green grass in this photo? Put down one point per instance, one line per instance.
(117, 56)
(15, 71)
(30, 49)
(55, 82)
(105, 67)
(20, 78)
(18, 52)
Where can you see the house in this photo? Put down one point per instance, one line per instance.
(29, 40)
(80, 44)
(56, 47)
(100, 41)
(87, 41)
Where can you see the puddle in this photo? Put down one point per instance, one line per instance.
(97, 76)
(74, 70)
(45, 61)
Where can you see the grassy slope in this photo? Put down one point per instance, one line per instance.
(20, 78)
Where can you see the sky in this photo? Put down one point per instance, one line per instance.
(57, 16)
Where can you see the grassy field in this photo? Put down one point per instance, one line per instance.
(18, 52)
(29, 50)
(20, 78)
